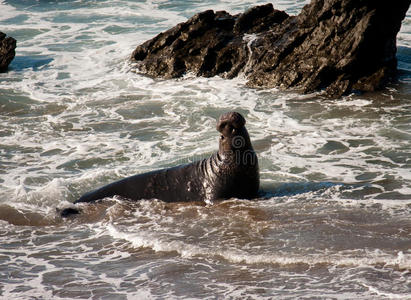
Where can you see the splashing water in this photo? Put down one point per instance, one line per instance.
(333, 219)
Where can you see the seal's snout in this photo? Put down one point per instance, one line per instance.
(230, 121)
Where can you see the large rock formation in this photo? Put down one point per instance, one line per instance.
(332, 45)
(7, 51)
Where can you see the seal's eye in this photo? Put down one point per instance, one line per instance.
(222, 137)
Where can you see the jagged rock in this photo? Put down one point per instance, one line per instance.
(332, 45)
(7, 51)
(207, 44)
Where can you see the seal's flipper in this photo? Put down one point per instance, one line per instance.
(67, 212)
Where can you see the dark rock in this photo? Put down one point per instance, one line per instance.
(258, 19)
(334, 45)
(208, 44)
(7, 51)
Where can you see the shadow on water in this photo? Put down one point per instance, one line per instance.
(29, 217)
(25, 217)
(404, 54)
(296, 188)
(404, 63)
(35, 62)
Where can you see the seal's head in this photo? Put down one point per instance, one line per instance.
(234, 135)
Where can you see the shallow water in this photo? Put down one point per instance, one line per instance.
(333, 218)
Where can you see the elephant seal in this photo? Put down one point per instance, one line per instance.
(230, 172)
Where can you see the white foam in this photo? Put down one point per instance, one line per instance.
(81, 118)
(7, 11)
(186, 250)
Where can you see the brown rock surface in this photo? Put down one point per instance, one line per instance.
(334, 45)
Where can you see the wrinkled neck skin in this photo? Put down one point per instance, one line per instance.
(234, 162)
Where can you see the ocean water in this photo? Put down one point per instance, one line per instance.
(333, 220)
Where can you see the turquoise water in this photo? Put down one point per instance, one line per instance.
(333, 221)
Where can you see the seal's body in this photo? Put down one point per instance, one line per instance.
(231, 172)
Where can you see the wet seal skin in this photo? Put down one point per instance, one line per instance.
(230, 172)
